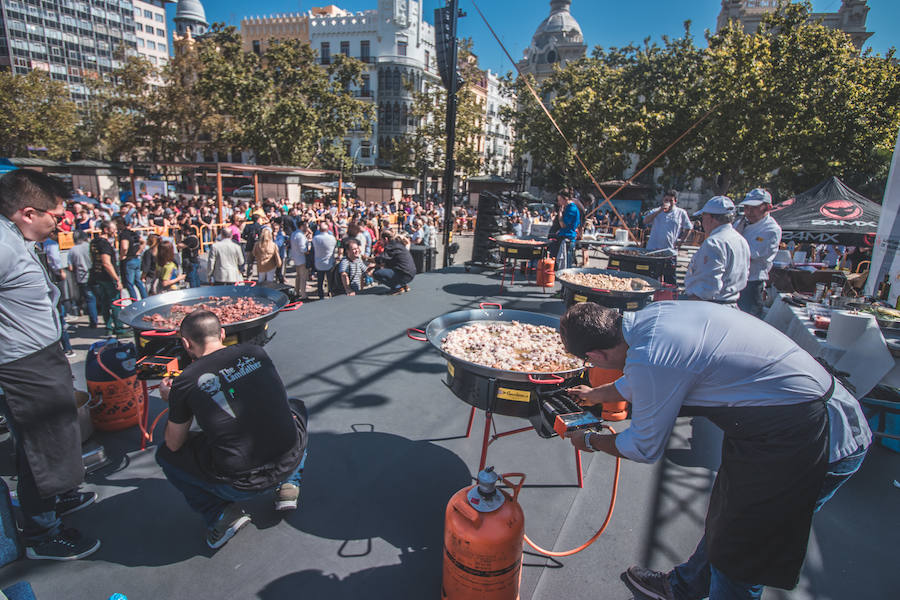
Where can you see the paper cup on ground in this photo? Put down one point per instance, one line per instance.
(847, 327)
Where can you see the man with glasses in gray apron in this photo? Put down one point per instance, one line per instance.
(35, 376)
(792, 434)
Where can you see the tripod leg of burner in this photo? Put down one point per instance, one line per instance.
(145, 413)
(485, 441)
(578, 468)
(471, 420)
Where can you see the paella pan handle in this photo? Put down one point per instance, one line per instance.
(155, 333)
(554, 380)
(486, 304)
(247, 282)
(599, 290)
(118, 303)
(412, 330)
(292, 306)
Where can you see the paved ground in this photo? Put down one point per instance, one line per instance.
(387, 450)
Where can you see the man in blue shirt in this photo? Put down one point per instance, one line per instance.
(792, 434)
(569, 220)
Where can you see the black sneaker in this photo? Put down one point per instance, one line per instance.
(74, 501)
(231, 521)
(68, 544)
(652, 584)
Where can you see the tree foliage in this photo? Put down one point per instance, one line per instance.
(182, 121)
(35, 112)
(788, 106)
(283, 104)
(424, 151)
(113, 120)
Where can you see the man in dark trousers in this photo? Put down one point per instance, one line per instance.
(104, 280)
(251, 440)
(35, 377)
(792, 433)
(394, 267)
(249, 235)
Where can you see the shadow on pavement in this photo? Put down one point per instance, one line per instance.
(415, 576)
(368, 484)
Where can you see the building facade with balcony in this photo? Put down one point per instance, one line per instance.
(398, 47)
(850, 17)
(72, 40)
(499, 136)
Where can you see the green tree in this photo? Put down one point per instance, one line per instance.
(181, 120)
(113, 121)
(424, 151)
(285, 106)
(35, 112)
(788, 106)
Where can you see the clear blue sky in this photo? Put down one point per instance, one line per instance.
(604, 22)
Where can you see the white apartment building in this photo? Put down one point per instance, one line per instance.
(151, 31)
(498, 147)
(398, 46)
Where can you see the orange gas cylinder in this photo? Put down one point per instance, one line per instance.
(483, 535)
(612, 411)
(546, 272)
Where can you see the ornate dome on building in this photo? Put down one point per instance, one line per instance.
(190, 16)
(558, 40)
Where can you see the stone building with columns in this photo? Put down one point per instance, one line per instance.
(849, 18)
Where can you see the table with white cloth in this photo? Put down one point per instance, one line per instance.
(868, 361)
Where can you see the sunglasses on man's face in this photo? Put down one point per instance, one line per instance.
(58, 217)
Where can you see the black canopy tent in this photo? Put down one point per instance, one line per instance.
(829, 213)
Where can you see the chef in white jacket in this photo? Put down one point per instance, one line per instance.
(763, 235)
(718, 271)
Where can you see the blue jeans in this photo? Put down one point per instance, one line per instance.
(90, 301)
(131, 271)
(391, 278)
(697, 578)
(209, 498)
(64, 337)
(192, 274)
(40, 520)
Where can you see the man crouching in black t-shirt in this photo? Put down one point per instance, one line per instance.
(251, 440)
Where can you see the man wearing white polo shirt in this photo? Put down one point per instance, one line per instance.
(667, 224)
(763, 235)
(718, 271)
(792, 434)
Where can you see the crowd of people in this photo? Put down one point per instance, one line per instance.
(155, 244)
(792, 432)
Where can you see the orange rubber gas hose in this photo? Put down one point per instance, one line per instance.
(612, 504)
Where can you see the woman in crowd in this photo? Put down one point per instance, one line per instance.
(148, 263)
(169, 276)
(418, 231)
(266, 254)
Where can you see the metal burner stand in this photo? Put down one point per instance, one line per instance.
(488, 438)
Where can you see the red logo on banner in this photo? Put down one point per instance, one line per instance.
(784, 204)
(842, 210)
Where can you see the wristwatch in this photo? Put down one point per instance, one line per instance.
(587, 440)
